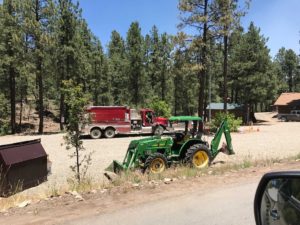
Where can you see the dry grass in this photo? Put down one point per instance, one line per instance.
(14, 197)
(127, 180)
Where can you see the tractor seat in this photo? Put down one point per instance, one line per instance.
(178, 137)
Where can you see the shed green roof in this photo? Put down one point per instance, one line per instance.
(185, 118)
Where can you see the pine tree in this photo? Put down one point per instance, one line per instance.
(227, 18)
(134, 51)
(11, 41)
(117, 65)
(67, 48)
(158, 61)
(98, 67)
(39, 15)
(253, 69)
(154, 58)
(76, 101)
(289, 66)
(235, 44)
(165, 67)
(197, 14)
(184, 77)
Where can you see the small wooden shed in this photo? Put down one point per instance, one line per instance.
(287, 102)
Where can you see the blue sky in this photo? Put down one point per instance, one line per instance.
(278, 19)
(103, 16)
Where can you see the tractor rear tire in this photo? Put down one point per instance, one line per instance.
(95, 133)
(198, 156)
(156, 163)
(109, 132)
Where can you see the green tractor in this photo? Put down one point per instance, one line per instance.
(155, 154)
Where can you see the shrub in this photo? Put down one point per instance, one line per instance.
(160, 107)
(4, 121)
(233, 123)
(4, 127)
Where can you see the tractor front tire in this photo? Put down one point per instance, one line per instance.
(155, 163)
(109, 132)
(95, 133)
(198, 156)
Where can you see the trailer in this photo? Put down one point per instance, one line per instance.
(108, 121)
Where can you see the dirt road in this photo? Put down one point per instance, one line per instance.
(222, 206)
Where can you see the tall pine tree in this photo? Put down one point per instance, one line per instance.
(136, 73)
(117, 65)
(11, 51)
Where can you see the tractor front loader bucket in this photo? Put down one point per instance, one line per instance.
(115, 167)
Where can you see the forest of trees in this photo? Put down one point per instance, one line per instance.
(44, 42)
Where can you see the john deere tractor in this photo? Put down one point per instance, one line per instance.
(155, 154)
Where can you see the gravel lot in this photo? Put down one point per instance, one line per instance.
(274, 139)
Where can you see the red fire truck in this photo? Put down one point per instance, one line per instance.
(108, 121)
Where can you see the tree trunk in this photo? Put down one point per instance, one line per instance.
(41, 100)
(12, 76)
(252, 115)
(163, 85)
(39, 61)
(62, 99)
(236, 95)
(62, 111)
(175, 97)
(290, 80)
(225, 71)
(201, 97)
(77, 163)
(202, 73)
(204, 108)
(136, 93)
(232, 94)
(21, 109)
(12, 85)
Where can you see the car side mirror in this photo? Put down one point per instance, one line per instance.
(277, 199)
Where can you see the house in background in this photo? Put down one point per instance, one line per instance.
(236, 109)
(287, 102)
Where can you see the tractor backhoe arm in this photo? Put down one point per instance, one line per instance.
(226, 148)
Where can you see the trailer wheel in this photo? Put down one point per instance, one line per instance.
(95, 133)
(156, 163)
(198, 156)
(109, 132)
(158, 130)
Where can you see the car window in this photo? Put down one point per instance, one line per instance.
(281, 202)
